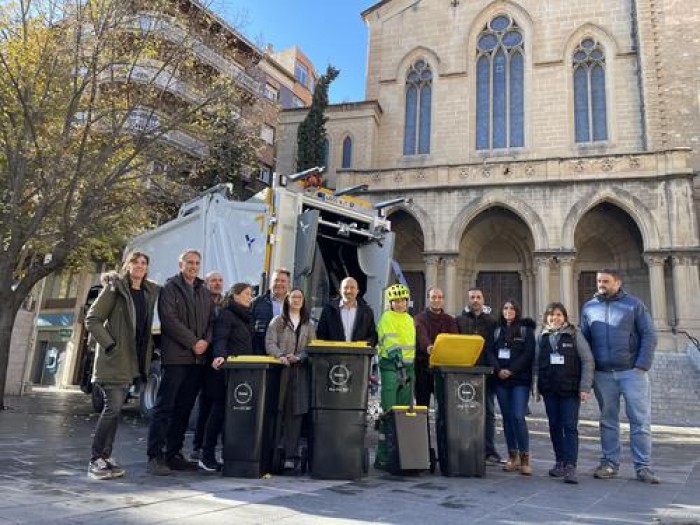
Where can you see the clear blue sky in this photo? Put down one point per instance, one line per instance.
(327, 31)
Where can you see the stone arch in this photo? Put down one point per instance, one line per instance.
(423, 220)
(414, 54)
(521, 16)
(634, 207)
(594, 31)
(498, 198)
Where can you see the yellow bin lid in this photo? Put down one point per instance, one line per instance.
(338, 344)
(456, 350)
(252, 359)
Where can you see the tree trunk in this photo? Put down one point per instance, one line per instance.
(8, 312)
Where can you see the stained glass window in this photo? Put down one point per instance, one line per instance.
(419, 92)
(590, 112)
(500, 75)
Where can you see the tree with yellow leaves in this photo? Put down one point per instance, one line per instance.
(104, 105)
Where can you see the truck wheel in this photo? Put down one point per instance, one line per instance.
(149, 391)
(98, 400)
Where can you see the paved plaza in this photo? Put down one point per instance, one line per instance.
(44, 448)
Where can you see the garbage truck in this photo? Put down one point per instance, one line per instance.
(319, 235)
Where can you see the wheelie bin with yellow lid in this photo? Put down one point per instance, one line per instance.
(459, 391)
(252, 390)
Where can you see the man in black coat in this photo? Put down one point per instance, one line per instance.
(476, 319)
(347, 318)
(185, 310)
(267, 306)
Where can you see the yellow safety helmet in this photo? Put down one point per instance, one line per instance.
(397, 291)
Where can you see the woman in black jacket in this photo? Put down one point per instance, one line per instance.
(233, 335)
(511, 355)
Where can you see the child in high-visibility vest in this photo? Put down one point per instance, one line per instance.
(396, 350)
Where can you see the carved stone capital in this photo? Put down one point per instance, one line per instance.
(431, 260)
(655, 259)
(543, 261)
(450, 261)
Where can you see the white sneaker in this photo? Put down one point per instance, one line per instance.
(117, 471)
(99, 469)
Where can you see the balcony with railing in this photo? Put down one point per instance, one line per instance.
(171, 30)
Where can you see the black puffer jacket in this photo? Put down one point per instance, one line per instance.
(233, 331)
(519, 339)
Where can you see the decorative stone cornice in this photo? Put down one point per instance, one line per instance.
(616, 167)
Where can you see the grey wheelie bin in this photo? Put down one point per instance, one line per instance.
(339, 395)
(459, 392)
(252, 390)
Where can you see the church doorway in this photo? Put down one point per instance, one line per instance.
(496, 254)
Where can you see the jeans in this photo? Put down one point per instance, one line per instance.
(634, 387)
(114, 397)
(513, 402)
(490, 418)
(171, 413)
(562, 412)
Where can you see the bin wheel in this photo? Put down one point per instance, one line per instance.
(433, 460)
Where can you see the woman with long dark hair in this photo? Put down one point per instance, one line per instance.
(511, 355)
(120, 322)
(233, 335)
(287, 338)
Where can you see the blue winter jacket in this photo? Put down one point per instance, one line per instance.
(620, 332)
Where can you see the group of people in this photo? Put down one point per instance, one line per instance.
(200, 327)
(611, 354)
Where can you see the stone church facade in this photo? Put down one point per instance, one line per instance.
(536, 141)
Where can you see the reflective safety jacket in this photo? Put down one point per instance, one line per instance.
(396, 331)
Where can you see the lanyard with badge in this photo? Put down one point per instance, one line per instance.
(555, 358)
(504, 352)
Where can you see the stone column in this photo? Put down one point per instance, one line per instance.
(542, 283)
(431, 270)
(451, 292)
(686, 288)
(525, 287)
(566, 284)
(657, 287)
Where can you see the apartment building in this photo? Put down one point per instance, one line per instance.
(49, 338)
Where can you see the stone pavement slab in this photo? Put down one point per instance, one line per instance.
(45, 443)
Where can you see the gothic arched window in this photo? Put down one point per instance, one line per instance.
(419, 90)
(590, 112)
(500, 71)
(347, 153)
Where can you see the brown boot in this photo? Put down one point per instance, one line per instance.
(513, 462)
(525, 467)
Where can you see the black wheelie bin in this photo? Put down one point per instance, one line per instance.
(339, 394)
(459, 391)
(252, 390)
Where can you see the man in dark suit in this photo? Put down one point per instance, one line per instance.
(349, 318)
